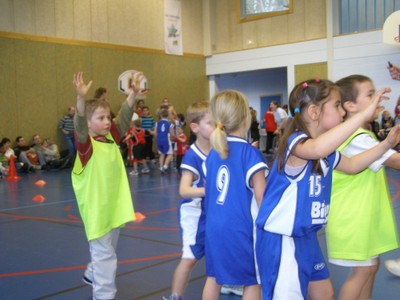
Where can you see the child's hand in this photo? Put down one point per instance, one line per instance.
(393, 138)
(135, 87)
(80, 86)
(374, 106)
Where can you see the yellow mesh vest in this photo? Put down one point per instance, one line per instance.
(102, 190)
(361, 223)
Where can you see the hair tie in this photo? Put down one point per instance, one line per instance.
(304, 85)
(296, 110)
(220, 126)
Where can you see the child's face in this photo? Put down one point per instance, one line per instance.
(365, 92)
(386, 114)
(145, 112)
(332, 113)
(179, 130)
(100, 122)
(204, 128)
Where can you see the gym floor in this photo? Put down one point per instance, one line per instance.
(44, 250)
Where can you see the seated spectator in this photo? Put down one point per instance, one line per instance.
(28, 155)
(8, 152)
(50, 153)
(3, 162)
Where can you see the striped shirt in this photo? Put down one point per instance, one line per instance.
(67, 123)
(147, 123)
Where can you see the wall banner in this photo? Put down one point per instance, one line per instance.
(173, 27)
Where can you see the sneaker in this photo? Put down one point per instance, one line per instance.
(232, 289)
(145, 171)
(87, 280)
(162, 170)
(393, 266)
(134, 173)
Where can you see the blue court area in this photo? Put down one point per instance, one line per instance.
(44, 250)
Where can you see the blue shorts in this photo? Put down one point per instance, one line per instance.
(164, 147)
(288, 264)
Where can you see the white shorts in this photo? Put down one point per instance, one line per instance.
(372, 261)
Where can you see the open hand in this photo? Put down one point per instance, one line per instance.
(134, 89)
(374, 102)
(79, 84)
(393, 137)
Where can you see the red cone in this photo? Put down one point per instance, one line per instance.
(12, 171)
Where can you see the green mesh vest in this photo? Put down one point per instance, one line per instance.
(361, 223)
(102, 190)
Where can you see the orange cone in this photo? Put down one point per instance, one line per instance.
(38, 198)
(40, 183)
(12, 171)
(139, 217)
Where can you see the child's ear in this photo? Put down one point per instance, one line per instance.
(348, 106)
(313, 112)
(193, 127)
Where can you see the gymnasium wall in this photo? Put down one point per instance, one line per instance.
(116, 22)
(36, 79)
(310, 71)
(307, 22)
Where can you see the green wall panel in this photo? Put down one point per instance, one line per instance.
(36, 86)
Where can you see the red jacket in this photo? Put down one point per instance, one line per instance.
(269, 119)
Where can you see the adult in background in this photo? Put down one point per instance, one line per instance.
(270, 129)
(280, 116)
(66, 125)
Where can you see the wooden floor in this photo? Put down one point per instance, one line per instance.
(44, 250)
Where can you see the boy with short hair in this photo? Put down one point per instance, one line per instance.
(135, 139)
(191, 189)
(164, 136)
(101, 187)
(148, 126)
(181, 146)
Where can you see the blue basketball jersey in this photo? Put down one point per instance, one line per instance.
(231, 209)
(296, 205)
(191, 211)
(162, 131)
(292, 210)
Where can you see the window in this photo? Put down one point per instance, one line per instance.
(364, 15)
(250, 10)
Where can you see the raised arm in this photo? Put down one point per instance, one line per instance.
(329, 141)
(80, 122)
(361, 161)
(81, 89)
(123, 119)
(135, 92)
